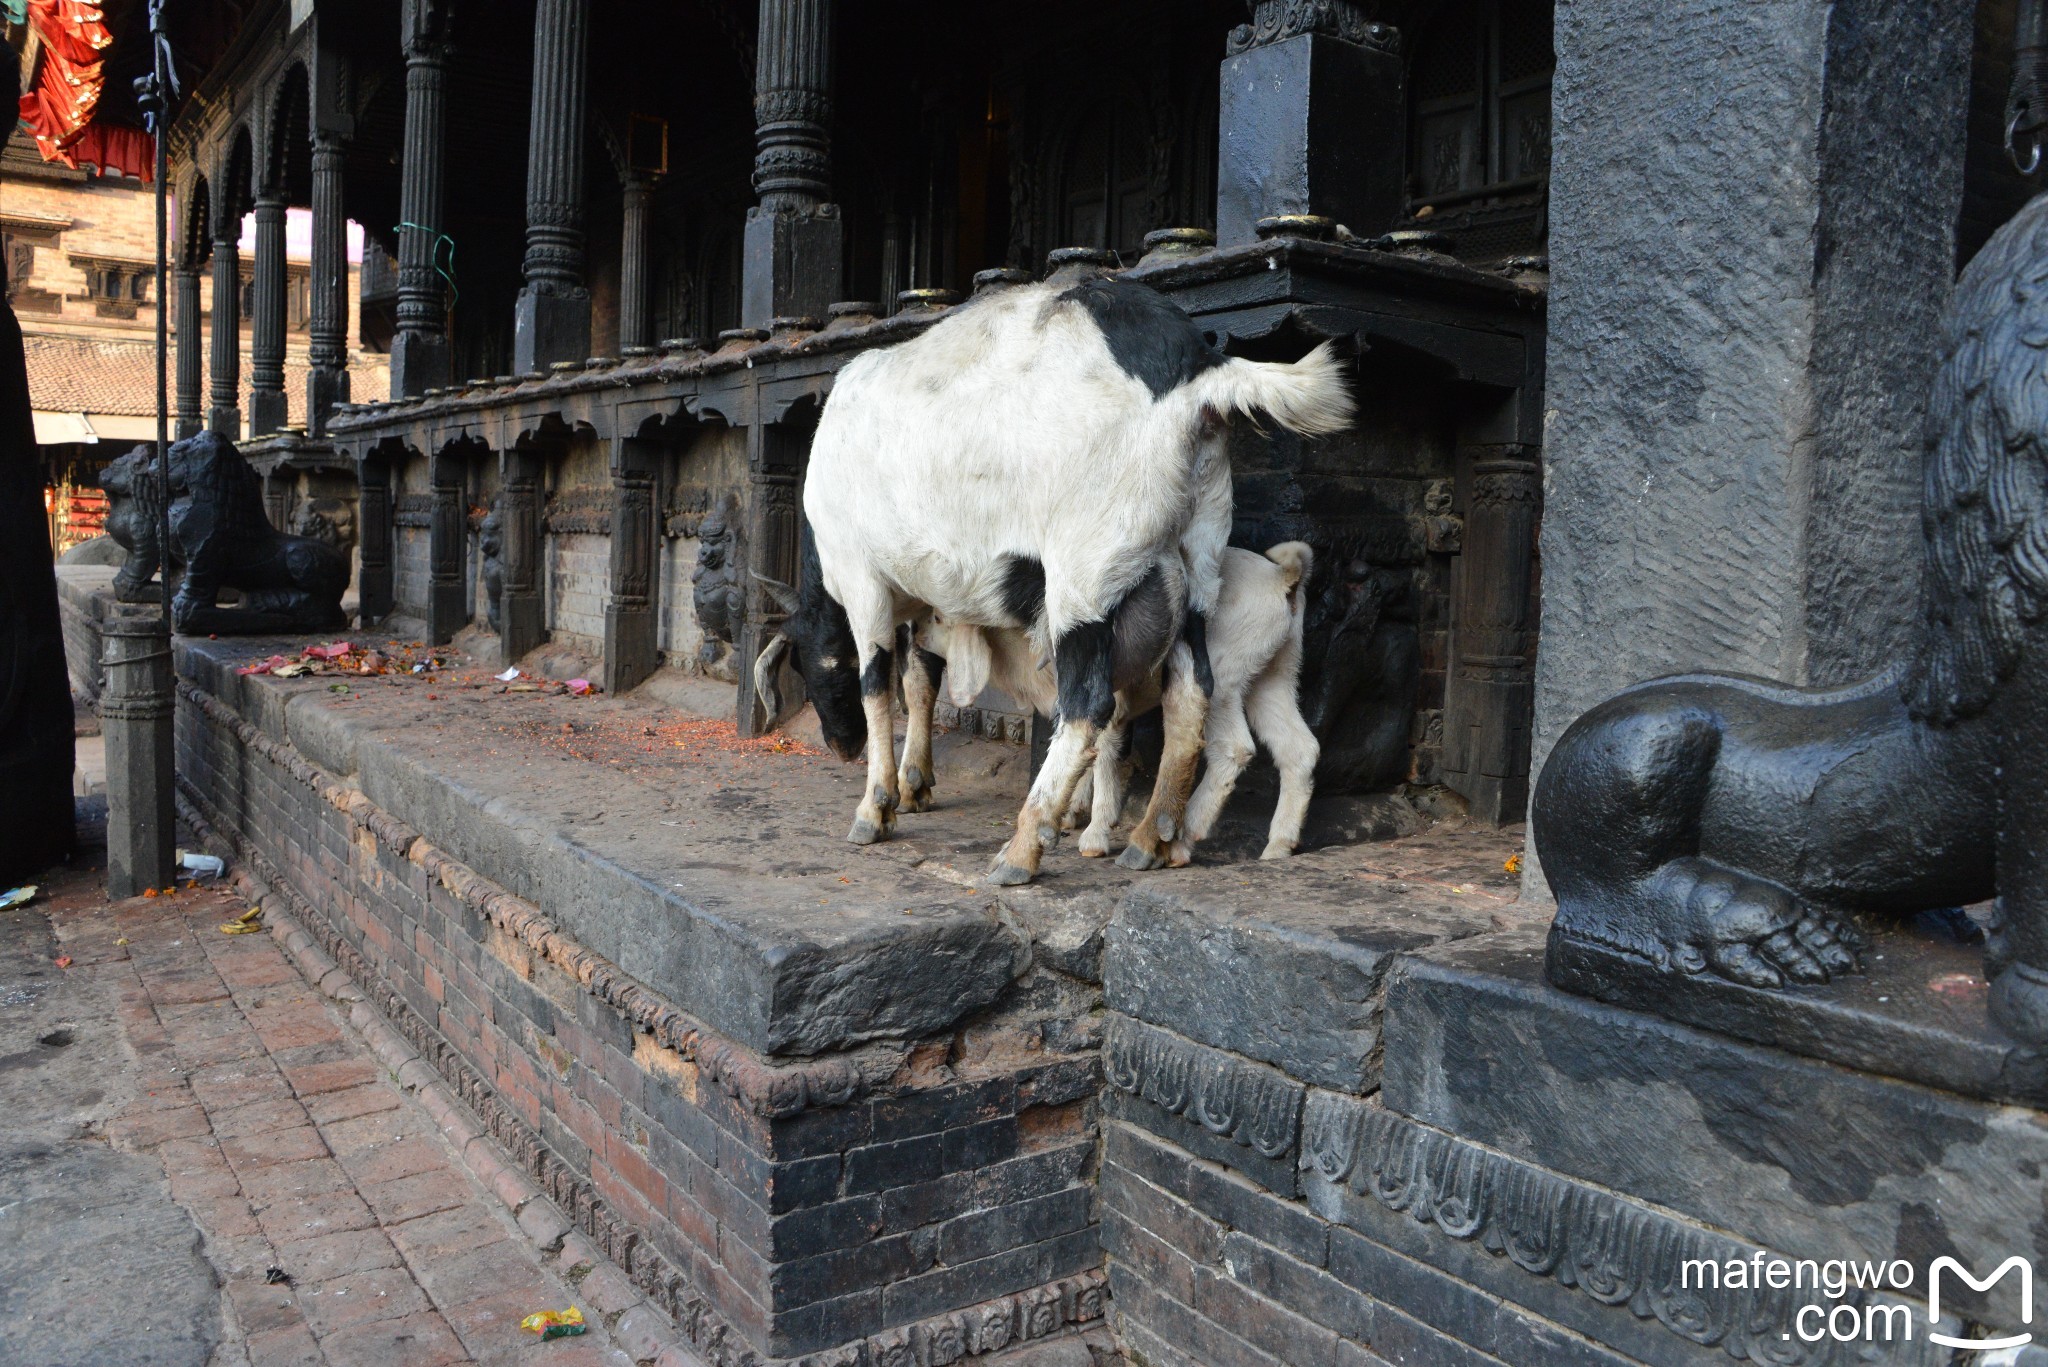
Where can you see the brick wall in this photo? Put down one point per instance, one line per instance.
(910, 1222)
(579, 575)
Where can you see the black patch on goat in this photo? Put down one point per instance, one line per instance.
(819, 632)
(1023, 589)
(932, 664)
(1149, 336)
(878, 675)
(1195, 631)
(1082, 661)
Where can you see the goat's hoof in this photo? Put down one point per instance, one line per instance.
(1180, 854)
(1094, 845)
(1277, 849)
(867, 831)
(1137, 857)
(1168, 828)
(1008, 875)
(915, 788)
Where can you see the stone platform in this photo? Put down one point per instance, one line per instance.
(822, 1103)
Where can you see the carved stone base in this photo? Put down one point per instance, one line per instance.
(792, 264)
(547, 328)
(1918, 1011)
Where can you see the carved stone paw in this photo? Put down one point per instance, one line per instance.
(1749, 930)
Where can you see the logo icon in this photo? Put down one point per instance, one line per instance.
(2026, 1270)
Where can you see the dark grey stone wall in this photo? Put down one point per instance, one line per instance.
(1753, 210)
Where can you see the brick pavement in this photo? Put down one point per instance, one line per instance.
(294, 1147)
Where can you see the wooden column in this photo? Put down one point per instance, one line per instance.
(191, 365)
(552, 321)
(636, 263)
(447, 549)
(327, 343)
(419, 350)
(775, 459)
(522, 623)
(374, 587)
(631, 621)
(267, 410)
(224, 393)
(1491, 692)
(794, 235)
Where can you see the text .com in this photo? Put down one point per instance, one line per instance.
(1870, 1321)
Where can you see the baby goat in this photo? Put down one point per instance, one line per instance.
(1255, 655)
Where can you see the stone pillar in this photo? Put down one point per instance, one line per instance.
(1312, 120)
(775, 455)
(191, 399)
(552, 321)
(419, 348)
(1486, 708)
(631, 638)
(447, 550)
(280, 491)
(1733, 479)
(522, 623)
(376, 590)
(327, 342)
(794, 236)
(267, 411)
(636, 263)
(136, 705)
(224, 393)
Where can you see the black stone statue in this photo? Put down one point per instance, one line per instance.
(37, 828)
(490, 544)
(1725, 826)
(222, 539)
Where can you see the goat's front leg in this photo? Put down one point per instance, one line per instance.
(1184, 709)
(876, 816)
(1106, 804)
(921, 671)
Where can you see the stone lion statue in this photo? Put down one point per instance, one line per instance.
(221, 539)
(1713, 824)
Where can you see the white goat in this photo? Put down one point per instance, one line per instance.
(1255, 653)
(1040, 458)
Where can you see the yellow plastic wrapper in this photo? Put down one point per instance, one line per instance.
(554, 1324)
(248, 923)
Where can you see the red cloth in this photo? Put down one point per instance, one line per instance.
(69, 77)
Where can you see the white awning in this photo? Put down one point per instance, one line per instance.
(60, 429)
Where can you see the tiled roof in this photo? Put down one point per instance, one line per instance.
(118, 378)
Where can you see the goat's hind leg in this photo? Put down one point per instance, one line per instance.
(876, 815)
(921, 671)
(1276, 718)
(1184, 709)
(1082, 666)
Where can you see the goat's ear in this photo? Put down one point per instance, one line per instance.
(767, 686)
(783, 594)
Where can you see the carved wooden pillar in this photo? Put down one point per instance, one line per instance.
(447, 549)
(631, 635)
(224, 393)
(267, 411)
(1492, 685)
(374, 587)
(522, 623)
(327, 342)
(553, 318)
(191, 398)
(794, 235)
(419, 349)
(636, 326)
(1311, 120)
(775, 458)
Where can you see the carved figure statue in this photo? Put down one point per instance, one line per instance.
(134, 517)
(716, 591)
(331, 520)
(1363, 664)
(490, 543)
(222, 538)
(1713, 824)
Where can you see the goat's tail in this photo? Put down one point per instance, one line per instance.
(1308, 396)
(1296, 561)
